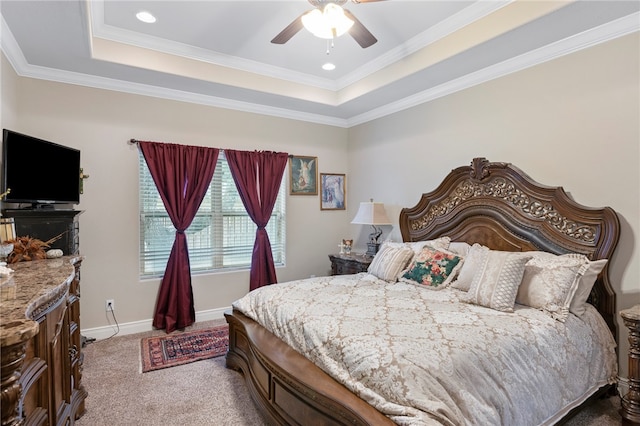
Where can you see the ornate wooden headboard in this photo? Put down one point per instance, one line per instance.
(499, 206)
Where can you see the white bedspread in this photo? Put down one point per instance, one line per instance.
(421, 357)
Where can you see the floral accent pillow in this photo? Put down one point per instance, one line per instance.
(389, 262)
(432, 268)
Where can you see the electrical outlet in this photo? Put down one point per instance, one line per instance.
(109, 305)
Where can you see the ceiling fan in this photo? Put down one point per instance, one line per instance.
(329, 20)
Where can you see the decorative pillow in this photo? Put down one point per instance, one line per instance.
(549, 282)
(497, 280)
(472, 262)
(441, 243)
(432, 268)
(389, 262)
(460, 248)
(585, 284)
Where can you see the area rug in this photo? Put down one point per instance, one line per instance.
(182, 348)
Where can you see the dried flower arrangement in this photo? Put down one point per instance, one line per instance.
(27, 248)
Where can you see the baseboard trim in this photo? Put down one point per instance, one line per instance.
(100, 333)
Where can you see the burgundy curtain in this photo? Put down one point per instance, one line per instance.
(182, 175)
(257, 176)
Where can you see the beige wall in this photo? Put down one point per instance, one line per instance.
(100, 123)
(573, 122)
(8, 94)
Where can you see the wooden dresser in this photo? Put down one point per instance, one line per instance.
(41, 361)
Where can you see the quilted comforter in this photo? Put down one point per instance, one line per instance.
(423, 357)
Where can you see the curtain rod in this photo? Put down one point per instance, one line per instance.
(136, 141)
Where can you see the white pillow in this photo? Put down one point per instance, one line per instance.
(497, 280)
(389, 262)
(472, 262)
(441, 243)
(549, 282)
(585, 284)
(460, 248)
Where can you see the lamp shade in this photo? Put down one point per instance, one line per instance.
(371, 213)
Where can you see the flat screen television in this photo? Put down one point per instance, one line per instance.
(39, 172)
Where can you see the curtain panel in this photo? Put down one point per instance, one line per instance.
(182, 174)
(257, 175)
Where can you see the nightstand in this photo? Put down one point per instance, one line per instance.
(342, 264)
(630, 403)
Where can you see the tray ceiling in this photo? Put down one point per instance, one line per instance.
(219, 52)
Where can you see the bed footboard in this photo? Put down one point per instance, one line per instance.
(285, 386)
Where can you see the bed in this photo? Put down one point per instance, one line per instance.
(447, 349)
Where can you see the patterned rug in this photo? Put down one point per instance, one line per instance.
(182, 348)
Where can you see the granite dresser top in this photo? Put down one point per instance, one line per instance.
(30, 290)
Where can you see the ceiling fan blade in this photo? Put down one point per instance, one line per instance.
(359, 32)
(291, 30)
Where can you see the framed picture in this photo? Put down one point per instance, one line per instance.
(333, 191)
(303, 175)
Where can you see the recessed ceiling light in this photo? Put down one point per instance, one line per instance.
(328, 66)
(145, 16)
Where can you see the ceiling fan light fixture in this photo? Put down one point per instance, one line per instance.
(329, 23)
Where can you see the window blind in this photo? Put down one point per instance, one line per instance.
(221, 235)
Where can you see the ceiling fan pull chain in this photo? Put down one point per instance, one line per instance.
(332, 45)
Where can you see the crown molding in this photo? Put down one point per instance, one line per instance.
(606, 32)
(584, 40)
(118, 35)
(459, 20)
(10, 48)
(439, 31)
(20, 65)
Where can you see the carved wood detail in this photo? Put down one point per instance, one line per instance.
(12, 360)
(507, 191)
(41, 359)
(494, 204)
(630, 404)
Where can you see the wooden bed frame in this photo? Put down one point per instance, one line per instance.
(494, 204)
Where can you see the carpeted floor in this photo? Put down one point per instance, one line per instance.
(200, 393)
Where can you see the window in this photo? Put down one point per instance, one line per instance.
(221, 235)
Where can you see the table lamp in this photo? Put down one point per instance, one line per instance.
(373, 214)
